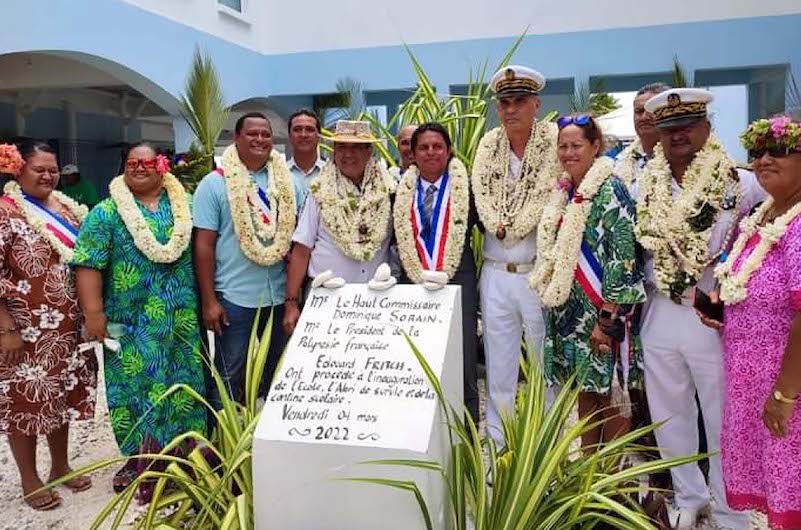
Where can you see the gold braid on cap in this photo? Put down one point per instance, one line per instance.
(695, 109)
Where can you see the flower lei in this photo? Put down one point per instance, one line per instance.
(514, 216)
(13, 191)
(733, 285)
(561, 232)
(251, 229)
(140, 231)
(357, 221)
(457, 223)
(627, 162)
(10, 160)
(677, 231)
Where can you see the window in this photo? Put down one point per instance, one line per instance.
(236, 5)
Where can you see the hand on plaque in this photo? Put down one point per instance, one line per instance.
(383, 279)
(434, 280)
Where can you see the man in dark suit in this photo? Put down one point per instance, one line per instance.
(434, 216)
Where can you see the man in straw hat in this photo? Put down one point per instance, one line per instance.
(514, 170)
(346, 225)
(244, 216)
(685, 233)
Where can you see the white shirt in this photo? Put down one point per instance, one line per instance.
(325, 254)
(525, 250)
(752, 194)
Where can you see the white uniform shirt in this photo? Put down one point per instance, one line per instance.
(525, 250)
(311, 232)
(752, 194)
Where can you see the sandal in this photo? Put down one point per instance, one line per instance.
(123, 478)
(43, 501)
(79, 484)
(76, 485)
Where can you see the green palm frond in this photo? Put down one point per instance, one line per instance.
(203, 104)
(679, 74)
(539, 479)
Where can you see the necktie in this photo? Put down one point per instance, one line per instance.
(428, 202)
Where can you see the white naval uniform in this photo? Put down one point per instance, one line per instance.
(682, 356)
(510, 309)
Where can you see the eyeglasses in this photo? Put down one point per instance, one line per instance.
(147, 163)
(777, 151)
(582, 120)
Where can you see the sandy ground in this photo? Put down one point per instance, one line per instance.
(92, 441)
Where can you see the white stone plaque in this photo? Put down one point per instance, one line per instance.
(350, 389)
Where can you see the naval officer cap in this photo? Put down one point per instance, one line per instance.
(515, 80)
(679, 106)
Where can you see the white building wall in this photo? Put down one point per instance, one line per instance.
(245, 30)
(282, 26)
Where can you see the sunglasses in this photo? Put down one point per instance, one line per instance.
(147, 163)
(582, 120)
(774, 152)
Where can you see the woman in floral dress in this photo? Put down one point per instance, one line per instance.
(589, 279)
(45, 383)
(136, 281)
(760, 284)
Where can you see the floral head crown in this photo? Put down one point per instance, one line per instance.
(781, 132)
(11, 161)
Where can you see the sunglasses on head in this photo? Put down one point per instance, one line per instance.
(147, 163)
(774, 152)
(582, 120)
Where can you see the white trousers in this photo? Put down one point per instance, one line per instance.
(682, 357)
(510, 310)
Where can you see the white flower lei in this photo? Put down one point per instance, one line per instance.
(516, 215)
(664, 224)
(140, 231)
(558, 245)
(249, 226)
(357, 221)
(626, 164)
(733, 285)
(13, 190)
(457, 223)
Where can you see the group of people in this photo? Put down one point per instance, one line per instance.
(612, 272)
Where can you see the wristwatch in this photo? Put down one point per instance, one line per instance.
(781, 398)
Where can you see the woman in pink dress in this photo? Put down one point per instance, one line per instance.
(760, 284)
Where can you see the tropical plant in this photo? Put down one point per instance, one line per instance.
(593, 99)
(541, 479)
(211, 487)
(203, 107)
(680, 79)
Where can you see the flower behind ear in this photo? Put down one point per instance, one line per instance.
(11, 161)
(162, 164)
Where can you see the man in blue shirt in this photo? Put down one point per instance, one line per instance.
(244, 215)
(304, 137)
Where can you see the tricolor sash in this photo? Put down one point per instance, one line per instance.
(430, 237)
(589, 275)
(65, 231)
(263, 202)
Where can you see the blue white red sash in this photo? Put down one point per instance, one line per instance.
(65, 231)
(430, 237)
(262, 201)
(590, 275)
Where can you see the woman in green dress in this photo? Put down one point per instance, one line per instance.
(589, 279)
(136, 284)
